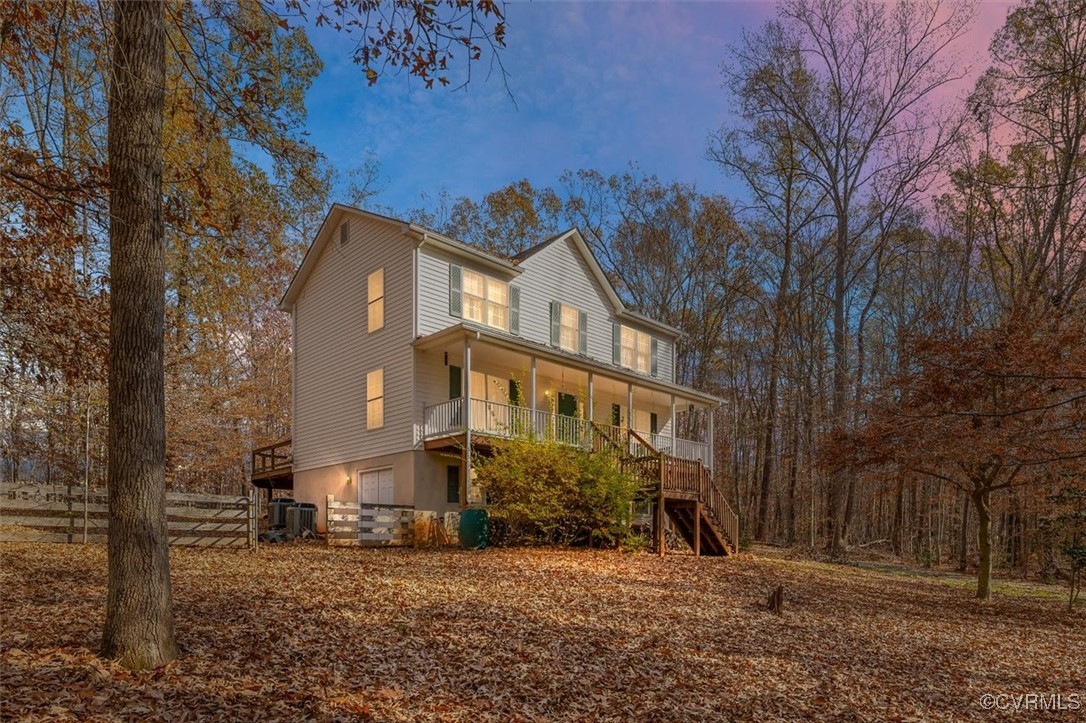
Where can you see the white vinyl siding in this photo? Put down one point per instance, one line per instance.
(435, 308)
(375, 286)
(559, 272)
(556, 272)
(334, 352)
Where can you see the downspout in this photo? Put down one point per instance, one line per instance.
(415, 306)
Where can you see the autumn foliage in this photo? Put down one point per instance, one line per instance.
(500, 635)
(544, 492)
(989, 410)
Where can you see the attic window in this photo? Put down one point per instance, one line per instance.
(344, 233)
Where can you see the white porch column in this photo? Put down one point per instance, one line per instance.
(532, 395)
(674, 424)
(629, 406)
(467, 420)
(591, 399)
(712, 413)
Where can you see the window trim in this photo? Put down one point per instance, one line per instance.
(371, 300)
(575, 347)
(379, 399)
(638, 336)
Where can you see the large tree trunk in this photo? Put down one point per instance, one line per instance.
(982, 501)
(835, 529)
(793, 482)
(899, 517)
(783, 285)
(139, 629)
(963, 543)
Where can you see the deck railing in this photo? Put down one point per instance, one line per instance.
(272, 459)
(499, 419)
(682, 448)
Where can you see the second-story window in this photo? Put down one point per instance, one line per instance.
(636, 350)
(569, 328)
(486, 300)
(376, 284)
(567, 338)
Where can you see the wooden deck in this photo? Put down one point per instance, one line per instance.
(681, 489)
(273, 466)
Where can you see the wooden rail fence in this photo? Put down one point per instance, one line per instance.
(350, 523)
(57, 513)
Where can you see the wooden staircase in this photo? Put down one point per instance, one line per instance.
(681, 489)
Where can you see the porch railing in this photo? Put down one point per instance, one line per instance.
(443, 418)
(499, 419)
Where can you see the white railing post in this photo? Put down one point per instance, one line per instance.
(467, 420)
(591, 397)
(532, 394)
(674, 424)
(711, 441)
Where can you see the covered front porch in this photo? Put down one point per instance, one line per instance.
(516, 390)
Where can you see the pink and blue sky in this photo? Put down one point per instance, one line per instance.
(596, 84)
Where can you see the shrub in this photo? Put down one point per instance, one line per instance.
(544, 492)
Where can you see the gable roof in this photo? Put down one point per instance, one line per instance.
(605, 284)
(423, 235)
(419, 234)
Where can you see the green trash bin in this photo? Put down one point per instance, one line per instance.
(474, 528)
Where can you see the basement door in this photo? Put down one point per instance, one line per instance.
(376, 487)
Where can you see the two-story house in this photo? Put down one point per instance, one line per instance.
(411, 350)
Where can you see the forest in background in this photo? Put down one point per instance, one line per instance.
(895, 311)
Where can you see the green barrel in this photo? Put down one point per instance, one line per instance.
(474, 528)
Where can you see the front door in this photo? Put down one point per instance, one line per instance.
(567, 405)
(455, 392)
(455, 379)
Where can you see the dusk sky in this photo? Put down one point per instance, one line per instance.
(596, 84)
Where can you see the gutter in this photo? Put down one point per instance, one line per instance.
(584, 363)
(444, 243)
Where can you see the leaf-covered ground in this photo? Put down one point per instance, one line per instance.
(297, 632)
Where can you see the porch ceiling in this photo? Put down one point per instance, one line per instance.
(515, 353)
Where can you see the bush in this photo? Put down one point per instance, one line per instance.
(542, 492)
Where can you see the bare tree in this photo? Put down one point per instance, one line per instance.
(855, 80)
